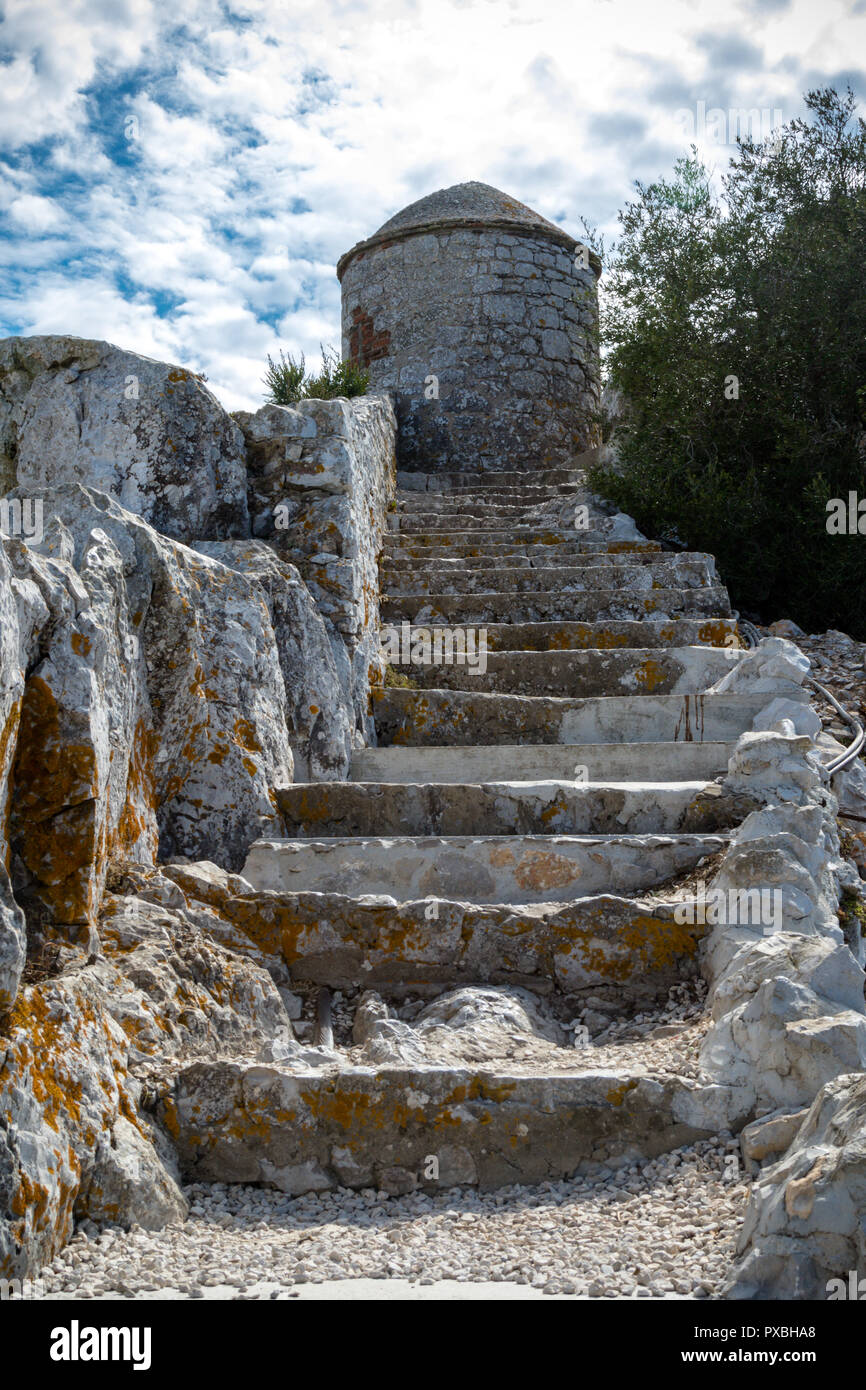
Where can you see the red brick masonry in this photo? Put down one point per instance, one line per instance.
(365, 344)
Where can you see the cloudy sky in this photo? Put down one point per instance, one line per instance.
(181, 178)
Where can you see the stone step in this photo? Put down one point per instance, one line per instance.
(467, 498)
(309, 1128)
(396, 562)
(476, 536)
(479, 481)
(498, 516)
(596, 762)
(679, 572)
(626, 950)
(504, 509)
(543, 605)
(457, 717)
(484, 868)
(316, 810)
(400, 552)
(632, 671)
(543, 637)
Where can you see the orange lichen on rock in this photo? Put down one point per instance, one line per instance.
(135, 834)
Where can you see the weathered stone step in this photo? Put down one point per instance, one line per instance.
(312, 1128)
(500, 516)
(402, 552)
(544, 605)
(459, 717)
(628, 949)
(503, 511)
(396, 562)
(619, 762)
(465, 499)
(544, 637)
(478, 481)
(315, 810)
(516, 535)
(679, 572)
(477, 869)
(629, 671)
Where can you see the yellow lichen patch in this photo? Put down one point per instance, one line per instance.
(604, 639)
(613, 950)
(650, 674)
(554, 808)
(133, 825)
(629, 547)
(714, 633)
(80, 644)
(169, 1116)
(617, 1094)
(41, 1048)
(7, 744)
(246, 736)
(384, 932)
(657, 942)
(56, 806)
(30, 1196)
(50, 773)
(482, 1088)
(353, 1111)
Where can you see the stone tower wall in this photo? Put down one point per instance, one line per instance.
(502, 319)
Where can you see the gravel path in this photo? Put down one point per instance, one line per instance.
(663, 1228)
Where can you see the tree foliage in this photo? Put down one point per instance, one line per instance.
(735, 327)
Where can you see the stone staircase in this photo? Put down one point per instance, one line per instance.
(521, 835)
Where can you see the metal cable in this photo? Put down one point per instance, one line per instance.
(859, 733)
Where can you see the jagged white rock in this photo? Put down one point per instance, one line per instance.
(151, 434)
(803, 1232)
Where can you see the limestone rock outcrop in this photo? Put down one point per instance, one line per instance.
(76, 1140)
(321, 476)
(162, 675)
(73, 410)
(786, 993)
(803, 1233)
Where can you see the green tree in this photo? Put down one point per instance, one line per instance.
(735, 328)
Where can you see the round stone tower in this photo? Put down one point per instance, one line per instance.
(479, 316)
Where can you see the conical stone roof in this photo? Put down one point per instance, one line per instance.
(470, 205)
(475, 202)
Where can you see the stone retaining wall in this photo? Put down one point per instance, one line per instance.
(321, 476)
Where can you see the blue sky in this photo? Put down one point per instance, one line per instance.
(181, 179)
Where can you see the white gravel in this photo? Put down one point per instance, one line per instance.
(663, 1228)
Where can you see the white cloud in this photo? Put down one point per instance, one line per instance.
(272, 137)
(36, 214)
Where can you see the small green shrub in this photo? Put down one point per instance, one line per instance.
(285, 380)
(289, 382)
(395, 680)
(852, 910)
(337, 378)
